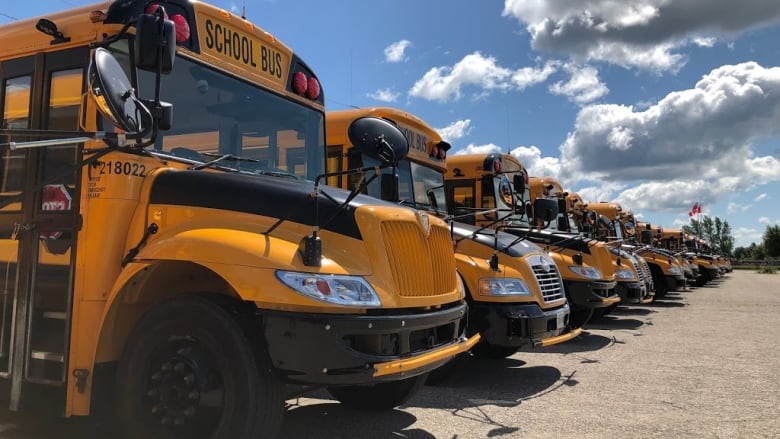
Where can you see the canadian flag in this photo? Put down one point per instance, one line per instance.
(695, 209)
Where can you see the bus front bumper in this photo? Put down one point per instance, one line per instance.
(339, 349)
(518, 325)
(591, 294)
(631, 293)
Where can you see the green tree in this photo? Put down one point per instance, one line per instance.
(772, 241)
(716, 231)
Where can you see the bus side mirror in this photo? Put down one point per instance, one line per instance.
(389, 187)
(545, 209)
(155, 43)
(113, 94)
(379, 139)
(518, 181)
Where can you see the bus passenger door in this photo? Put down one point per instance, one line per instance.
(39, 219)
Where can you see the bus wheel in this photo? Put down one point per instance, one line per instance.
(378, 397)
(487, 350)
(188, 370)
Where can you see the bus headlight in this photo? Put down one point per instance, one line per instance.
(674, 269)
(624, 273)
(332, 288)
(589, 272)
(497, 286)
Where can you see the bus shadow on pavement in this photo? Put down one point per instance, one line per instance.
(331, 419)
(631, 311)
(613, 322)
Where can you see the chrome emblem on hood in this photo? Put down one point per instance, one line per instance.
(425, 222)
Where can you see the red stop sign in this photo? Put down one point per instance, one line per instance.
(55, 197)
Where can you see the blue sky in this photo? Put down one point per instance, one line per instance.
(656, 104)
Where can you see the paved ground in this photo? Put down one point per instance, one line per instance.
(700, 364)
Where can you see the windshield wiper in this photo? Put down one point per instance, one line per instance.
(219, 158)
(234, 158)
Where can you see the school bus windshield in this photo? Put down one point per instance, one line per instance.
(418, 186)
(216, 114)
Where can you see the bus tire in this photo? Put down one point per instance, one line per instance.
(378, 397)
(487, 350)
(189, 370)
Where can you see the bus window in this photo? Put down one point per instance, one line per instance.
(16, 114)
(63, 114)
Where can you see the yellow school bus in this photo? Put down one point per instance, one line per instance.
(633, 283)
(496, 187)
(195, 266)
(514, 290)
(666, 272)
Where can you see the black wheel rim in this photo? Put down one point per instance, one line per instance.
(184, 390)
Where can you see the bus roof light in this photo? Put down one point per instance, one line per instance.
(300, 84)
(182, 28)
(313, 88)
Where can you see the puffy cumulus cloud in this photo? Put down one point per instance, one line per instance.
(480, 71)
(636, 33)
(603, 192)
(700, 133)
(583, 86)
(537, 166)
(764, 220)
(384, 95)
(396, 52)
(669, 196)
(455, 130)
(479, 149)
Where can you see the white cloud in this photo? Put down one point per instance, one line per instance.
(743, 236)
(701, 134)
(396, 52)
(479, 149)
(384, 95)
(760, 197)
(445, 83)
(647, 34)
(455, 130)
(537, 166)
(764, 220)
(583, 86)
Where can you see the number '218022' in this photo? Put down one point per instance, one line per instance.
(123, 168)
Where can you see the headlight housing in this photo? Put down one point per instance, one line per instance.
(674, 269)
(332, 288)
(589, 272)
(624, 273)
(496, 286)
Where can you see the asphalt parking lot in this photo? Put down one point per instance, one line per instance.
(700, 363)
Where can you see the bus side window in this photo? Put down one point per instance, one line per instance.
(16, 114)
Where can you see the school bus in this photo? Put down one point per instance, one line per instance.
(633, 285)
(666, 272)
(496, 188)
(513, 289)
(195, 266)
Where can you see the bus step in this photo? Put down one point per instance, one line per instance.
(47, 356)
(57, 315)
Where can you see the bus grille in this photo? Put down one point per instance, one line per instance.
(549, 282)
(421, 266)
(639, 271)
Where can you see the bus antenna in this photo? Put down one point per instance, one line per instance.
(243, 10)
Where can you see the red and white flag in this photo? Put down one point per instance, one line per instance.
(695, 209)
